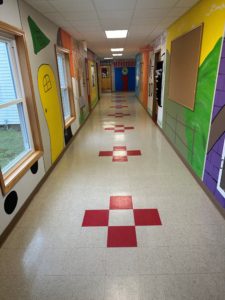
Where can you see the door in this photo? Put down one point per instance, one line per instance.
(106, 78)
(52, 109)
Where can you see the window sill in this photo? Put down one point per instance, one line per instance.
(69, 122)
(9, 179)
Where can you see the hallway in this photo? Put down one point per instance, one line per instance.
(169, 241)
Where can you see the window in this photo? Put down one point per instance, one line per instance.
(65, 86)
(20, 144)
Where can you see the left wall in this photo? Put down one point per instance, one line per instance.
(53, 133)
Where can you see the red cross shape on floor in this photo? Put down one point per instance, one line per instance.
(119, 128)
(119, 115)
(119, 106)
(121, 220)
(120, 153)
(119, 101)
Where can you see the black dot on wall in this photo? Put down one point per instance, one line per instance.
(1, 2)
(10, 202)
(34, 168)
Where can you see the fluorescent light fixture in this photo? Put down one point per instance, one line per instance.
(116, 34)
(117, 54)
(117, 49)
(108, 57)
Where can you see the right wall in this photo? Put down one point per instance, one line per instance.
(189, 130)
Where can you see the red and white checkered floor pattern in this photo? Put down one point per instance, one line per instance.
(119, 101)
(120, 153)
(119, 106)
(121, 219)
(119, 115)
(119, 128)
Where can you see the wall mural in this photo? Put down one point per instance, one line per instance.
(214, 175)
(40, 40)
(188, 130)
(52, 109)
(77, 66)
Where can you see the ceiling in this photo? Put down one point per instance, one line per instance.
(88, 20)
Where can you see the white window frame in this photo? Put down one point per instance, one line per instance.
(17, 79)
(26, 100)
(219, 188)
(64, 53)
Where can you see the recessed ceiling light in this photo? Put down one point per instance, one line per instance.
(108, 57)
(116, 34)
(117, 54)
(117, 49)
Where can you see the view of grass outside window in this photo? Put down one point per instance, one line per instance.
(14, 137)
(64, 85)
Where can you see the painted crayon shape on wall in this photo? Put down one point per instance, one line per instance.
(52, 109)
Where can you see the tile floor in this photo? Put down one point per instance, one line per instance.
(54, 252)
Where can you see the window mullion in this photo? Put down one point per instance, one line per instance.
(12, 102)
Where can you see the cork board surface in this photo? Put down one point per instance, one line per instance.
(184, 64)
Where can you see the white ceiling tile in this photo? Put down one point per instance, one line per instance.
(155, 3)
(87, 20)
(41, 5)
(72, 5)
(114, 4)
(89, 23)
(139, 29)
(87, 28)
(145, 21)
(111, 24)
(57, 19)
(151, 13)
(177, 11)
(116, 14)
(79, 16)
(117, 43)
(187, 3)
(167, 22)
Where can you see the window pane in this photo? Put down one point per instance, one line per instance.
(61, 67)
(14, 142)
(7, 85)
(66, 103)
(63, 85)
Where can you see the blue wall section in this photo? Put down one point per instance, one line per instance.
(137, 79)
(119, 81)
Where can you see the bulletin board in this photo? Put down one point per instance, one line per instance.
(184, 64)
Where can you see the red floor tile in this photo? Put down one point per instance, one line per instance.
(133, 152)
(121, 236)
(105, 153)
(147, 217)
(96, 218)
(119, 148)
(119, 130)
(119, 125)
(121, 202)
(119, 158)
(129, 127)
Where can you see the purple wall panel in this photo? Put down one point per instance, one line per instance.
(214, 156)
